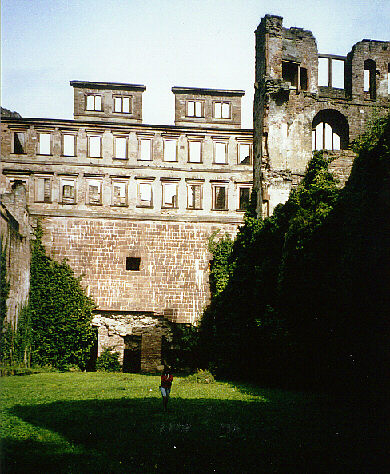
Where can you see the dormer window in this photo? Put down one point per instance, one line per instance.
(195, 108)
(122, 105)
(94, 102)
(221, 110)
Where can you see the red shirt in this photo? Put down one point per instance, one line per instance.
(166, 380)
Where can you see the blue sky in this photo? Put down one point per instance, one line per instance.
(158, 43)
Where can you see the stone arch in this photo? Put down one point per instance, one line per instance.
(330, 130)
(370, 78)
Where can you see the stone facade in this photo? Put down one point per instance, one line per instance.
(15, 234)
(294, 114)
(132, 206)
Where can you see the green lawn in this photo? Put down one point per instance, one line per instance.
(97, 422)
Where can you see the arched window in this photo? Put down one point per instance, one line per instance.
(330, 131)
(370, 77)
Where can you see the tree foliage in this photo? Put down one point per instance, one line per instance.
(303, 297)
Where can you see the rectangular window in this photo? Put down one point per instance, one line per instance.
(19, 143)
(195, 152)
(303, 78)
(119, 193)
(94, 146)
(220, 153)
(145, 195)
(120, 147)
(221, 110)
(194, 196)
(323, 71)
(133, 263)
(195, 108)
(244, 193)
(68, 145)
(68, 191)
(42, 189)
(122, 105)
(169, 192)
(44, 144)
(94, 191)
(219, 197)
(145, 149)
(244, 154)
(290, 72)
(170, 150)
(94, 102)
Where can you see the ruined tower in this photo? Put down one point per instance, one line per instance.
(306, 101)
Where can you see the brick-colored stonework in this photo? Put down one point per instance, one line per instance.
(290, 103)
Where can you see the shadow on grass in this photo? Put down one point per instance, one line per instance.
(196, 435)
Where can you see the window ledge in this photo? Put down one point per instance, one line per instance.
(144, 207)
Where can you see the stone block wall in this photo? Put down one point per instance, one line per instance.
(173, 274)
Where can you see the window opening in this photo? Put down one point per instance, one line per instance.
(170, 195)
(194, 196)
(170, 150)
(43, 190)
(94, 102)
(68, 191)
(220, 153)
(19, 143)
(122, 105)
(195, 152)
(133, 263)
(68, 145)
(219, 197)
(94, 146)
(222, 110)
(145, 194)
(330, 131)
(120, 147)
(244, 154)
(145, 149)
(195, 108)
(119, 193)
(303, 78)
(290, 72)
(94, 191)
(44, 143)
(244, 198)
(370, 78)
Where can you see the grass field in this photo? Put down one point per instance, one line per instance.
(97, 423)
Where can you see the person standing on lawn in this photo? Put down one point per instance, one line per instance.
(165, 387)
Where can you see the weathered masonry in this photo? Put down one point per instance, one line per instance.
(131, 206)
(307, 101)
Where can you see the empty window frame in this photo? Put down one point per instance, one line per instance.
(370, 78)
(169, 195)
(195, 108)
(295, 74)
(222, 110)
(93, 102)
(194, 196)
(323, 72)
(219, 194)
(44, 144)
(331, 72)
(145, 194)
(133, 264)
(195, 151)
(220, 155)
(122, 104)
(42, 189)
(170, 146)
(68, 145)
(68, 191)
(94, 146)
(119, 193)
(120, 148)
(145, 149)
(94, 191)
(244, 194)
(330, 130)
(19, 143)
(324, 138)
(244, 151)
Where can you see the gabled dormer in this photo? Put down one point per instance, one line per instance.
(107, 101)
(207, 107)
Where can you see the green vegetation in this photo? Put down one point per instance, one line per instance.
(302, 298)
(105, 422)
(108, 361)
